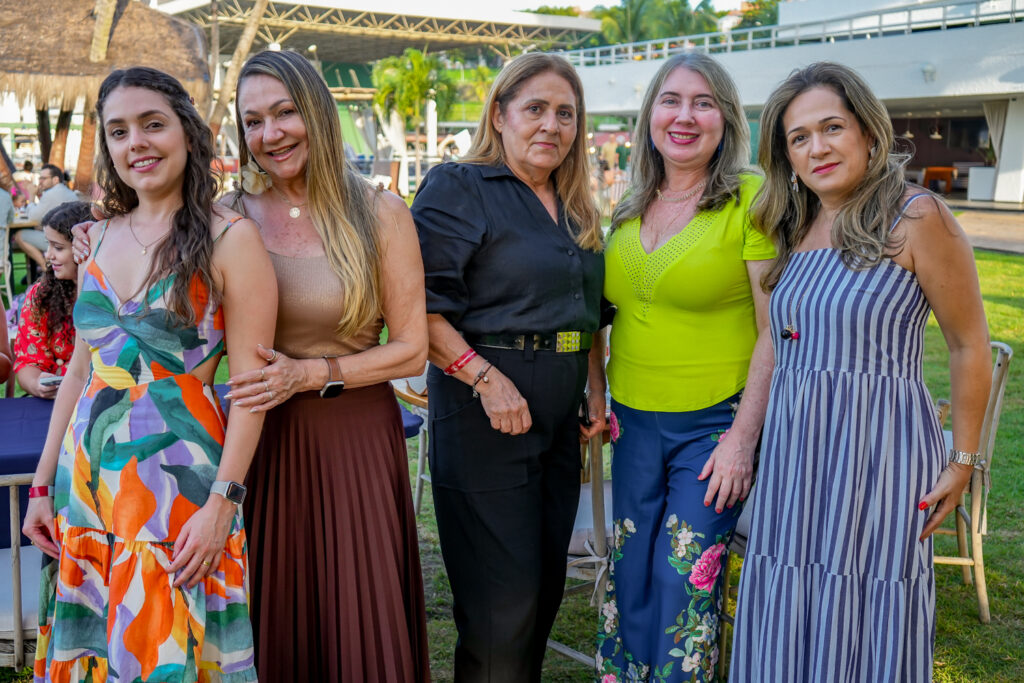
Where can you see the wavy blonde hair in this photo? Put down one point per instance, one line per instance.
(725, 167)
(572, 177)
(861, 230)
(341, 203)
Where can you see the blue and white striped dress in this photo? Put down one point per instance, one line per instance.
(836, 587)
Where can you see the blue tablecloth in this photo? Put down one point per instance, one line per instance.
(23, 424)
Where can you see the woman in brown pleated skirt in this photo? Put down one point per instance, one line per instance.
(337, 594)
(332, 543)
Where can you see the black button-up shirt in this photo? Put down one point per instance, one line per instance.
(495, 262)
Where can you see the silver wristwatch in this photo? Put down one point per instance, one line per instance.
(231, 490)
(964, 458)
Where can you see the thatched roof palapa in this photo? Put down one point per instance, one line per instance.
(44, 50)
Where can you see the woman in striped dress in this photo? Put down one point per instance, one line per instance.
(853, 479)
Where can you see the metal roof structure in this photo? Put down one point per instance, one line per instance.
(366, 30)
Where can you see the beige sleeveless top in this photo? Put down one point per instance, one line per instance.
(309, 304)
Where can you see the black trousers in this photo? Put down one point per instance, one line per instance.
(505, 509)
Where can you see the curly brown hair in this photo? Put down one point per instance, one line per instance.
(56, 298)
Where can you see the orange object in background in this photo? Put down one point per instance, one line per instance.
(943, 173)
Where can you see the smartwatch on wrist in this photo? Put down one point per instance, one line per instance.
(332, 387)
(231, 490)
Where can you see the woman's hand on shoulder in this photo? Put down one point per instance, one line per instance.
(82, 236)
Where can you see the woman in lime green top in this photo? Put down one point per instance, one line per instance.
(689, 372)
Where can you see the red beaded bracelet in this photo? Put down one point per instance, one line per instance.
(461, 362)
(40, 492)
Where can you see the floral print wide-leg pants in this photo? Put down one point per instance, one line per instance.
(659, 621)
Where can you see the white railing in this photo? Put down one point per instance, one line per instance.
(935, 16)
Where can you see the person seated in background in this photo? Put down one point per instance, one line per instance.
(46, 336)
(52, 193)
(6, 209)
(25, 180)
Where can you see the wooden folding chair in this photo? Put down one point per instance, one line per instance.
(974, 525)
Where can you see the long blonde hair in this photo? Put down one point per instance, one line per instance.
(861, 230)
(728, 162)
(572, 177)
(340, 202)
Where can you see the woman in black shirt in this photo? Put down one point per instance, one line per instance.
(511, 244)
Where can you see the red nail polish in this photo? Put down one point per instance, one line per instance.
(922, 505)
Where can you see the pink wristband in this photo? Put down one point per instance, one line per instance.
(40, 492)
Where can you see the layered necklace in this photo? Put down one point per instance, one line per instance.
(145, 247)
(294, 211)
(688, 194)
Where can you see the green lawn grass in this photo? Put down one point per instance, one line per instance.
(965, 649)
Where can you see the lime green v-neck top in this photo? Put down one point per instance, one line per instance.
(685, 327)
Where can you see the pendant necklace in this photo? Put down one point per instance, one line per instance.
(145, 247)
(294, 211)
(683, 197)
(789, 332)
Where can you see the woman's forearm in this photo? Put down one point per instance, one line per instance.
(970, 369)
(395, 359)
(750, 414)
(63, 408)
(28, 379)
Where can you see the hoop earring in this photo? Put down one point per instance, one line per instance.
(793, 184)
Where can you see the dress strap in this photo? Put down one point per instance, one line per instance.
(906, 205)
(99, 240)
(230, 223)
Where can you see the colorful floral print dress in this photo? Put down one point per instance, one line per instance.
(138, 459)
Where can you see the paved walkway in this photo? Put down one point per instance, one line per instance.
(1000, 230)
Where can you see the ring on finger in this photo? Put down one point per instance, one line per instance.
(273, 357)
(266, 386)
(206, 564)
(263, 375)
(271, 395)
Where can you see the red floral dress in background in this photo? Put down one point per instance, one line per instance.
(36, 344)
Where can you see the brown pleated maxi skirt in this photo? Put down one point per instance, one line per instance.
(337, 593)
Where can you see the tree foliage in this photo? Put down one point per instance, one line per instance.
(760, 13)
(405, 83)
(637, 20)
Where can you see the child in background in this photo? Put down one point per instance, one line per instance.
(46, 335)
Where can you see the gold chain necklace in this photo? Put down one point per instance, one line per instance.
(682, 198)
(294, 211)
(145, 247)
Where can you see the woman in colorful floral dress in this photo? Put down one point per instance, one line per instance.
(136, 496)
(688, 373)
(46, 335)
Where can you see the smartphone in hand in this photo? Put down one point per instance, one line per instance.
(52, 381)
(585, 410)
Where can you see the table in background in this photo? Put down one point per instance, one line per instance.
(944, 173)
(23, 424)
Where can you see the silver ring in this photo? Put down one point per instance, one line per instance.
(266, 385)
(274, 357)
(262, 374)
(271, 395)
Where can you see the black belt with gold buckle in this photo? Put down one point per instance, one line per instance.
(559, 342)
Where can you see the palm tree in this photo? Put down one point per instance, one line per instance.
(404, 84)
(672, 18)
(627, 22)
(227, 88)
